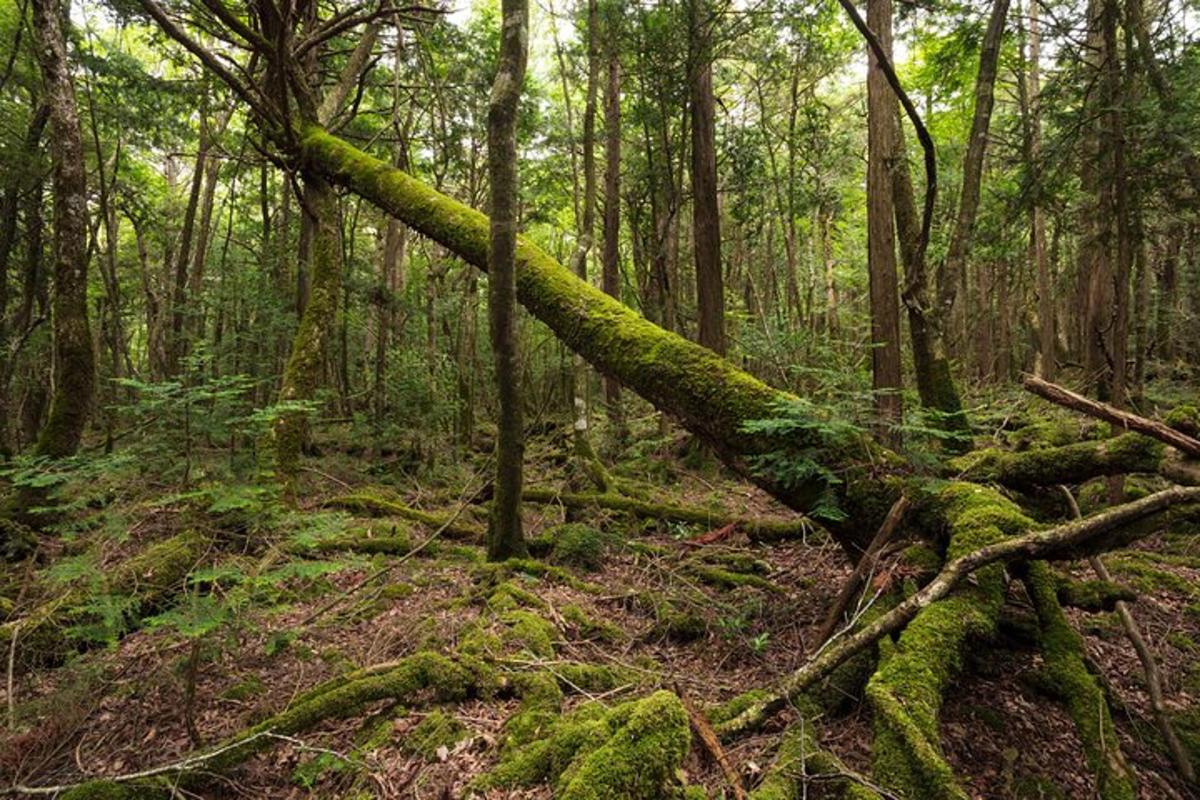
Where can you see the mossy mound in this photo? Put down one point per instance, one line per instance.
(578, 545)
(628, 752)
(436, 731)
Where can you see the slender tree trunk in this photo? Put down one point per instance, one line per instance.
(9, 206)
(183, 254)
(74, 361)
(706, 222)
(505, 537)
(610, 253)
(1047, 359)
(881, 234)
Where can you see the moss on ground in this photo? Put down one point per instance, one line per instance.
(628, 752)
(437, 730)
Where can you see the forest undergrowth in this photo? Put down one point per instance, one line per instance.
(348, 639)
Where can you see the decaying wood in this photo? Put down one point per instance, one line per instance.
(756, 529)
(865, 566)
(1063, 541)
(712, 745)
(1149, 664)
(1065, 397)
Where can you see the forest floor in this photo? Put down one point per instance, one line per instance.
(638, 597)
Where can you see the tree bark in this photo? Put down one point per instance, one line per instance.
(1047, 357)
(706, 220)
(74, 361)
(505, 536)
(610, 254)
(881, 235)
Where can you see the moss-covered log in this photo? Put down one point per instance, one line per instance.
(1064, 674)
(707, 394)
(143, 583)
(1072, 463)
(377, 506)
(756, 528)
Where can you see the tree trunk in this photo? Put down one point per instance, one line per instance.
(610, 254)
(305, 364)
(706, 222)
(74, 361)
(1047, 363)
(881, 234)
(505, 537)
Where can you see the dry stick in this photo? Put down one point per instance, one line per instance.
(1065, 397)
(1059, 542)
(1149, 664)
(866, 564)
(712, 744)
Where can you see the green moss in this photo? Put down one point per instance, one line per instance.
(728, 579)
(373, 503)
(674, 620)
(578, 545)
(1185, 419)
(531, 632)
(1092, 595)
(541, 704)
(509, 596)
(244, 690)
(589, 627)
(109, 790)
(1071, 463)
(640, 757)
(736, 706)
(906, 692)
(437, 730)
(798, 759)
(1065, 674)
(629, 752)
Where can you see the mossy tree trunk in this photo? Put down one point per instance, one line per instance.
(706, 393)
(74, 361)
(302, 372)
(505, 536)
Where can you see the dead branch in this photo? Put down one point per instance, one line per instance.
(1149, 664)
(865, 565)
(1076, 402)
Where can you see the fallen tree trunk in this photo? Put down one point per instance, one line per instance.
(375, 506)
(1119, 417)
(1072, 463)
(707, 394)
(757, 529)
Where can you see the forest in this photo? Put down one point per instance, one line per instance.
(600, 399)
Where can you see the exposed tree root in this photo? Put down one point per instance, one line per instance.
(1065, 675)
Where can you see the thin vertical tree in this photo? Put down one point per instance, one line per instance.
(1047, 364)
(881, 232)
(505, 537)
(610, 252)
(706, 218)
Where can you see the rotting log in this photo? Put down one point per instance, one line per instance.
(706, 393)
(1072, 463)
(757, 529)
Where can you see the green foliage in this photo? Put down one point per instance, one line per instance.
(803, 435)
